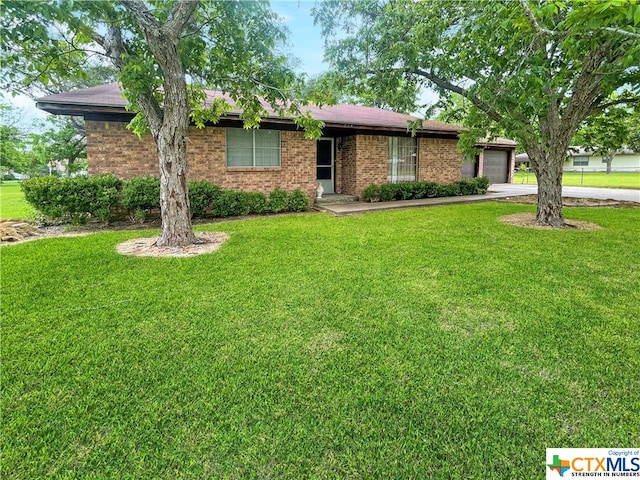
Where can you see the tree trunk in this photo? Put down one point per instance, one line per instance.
(174, 193)
(548, 171)
(609, 160)
(169, 122)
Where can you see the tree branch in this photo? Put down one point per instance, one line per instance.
(621, 32)
(493, 114)
(179, 17)
(626, 100)
(543, 32)
(141, 14)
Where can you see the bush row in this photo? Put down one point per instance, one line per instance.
(417, 190)
(75, 199)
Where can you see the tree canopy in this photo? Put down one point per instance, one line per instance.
(166, 53)
(531, 69)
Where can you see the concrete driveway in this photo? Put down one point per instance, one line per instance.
(496, 190)
(513, 189)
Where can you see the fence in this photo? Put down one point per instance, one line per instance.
(623, 177)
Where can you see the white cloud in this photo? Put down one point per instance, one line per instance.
(27, 108)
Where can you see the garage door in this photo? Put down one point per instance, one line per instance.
(496, 166)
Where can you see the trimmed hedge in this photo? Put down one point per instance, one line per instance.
(202, 195)
(140, 195)
(75, 199)
(417, 190)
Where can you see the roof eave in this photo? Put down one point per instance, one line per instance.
(66, 108)
(56, 108)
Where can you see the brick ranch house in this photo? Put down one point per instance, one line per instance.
(359, 146)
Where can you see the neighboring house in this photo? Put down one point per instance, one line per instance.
(359, 146)
(580, 159)
(522, 158)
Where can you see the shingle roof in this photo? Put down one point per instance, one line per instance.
(109, 98)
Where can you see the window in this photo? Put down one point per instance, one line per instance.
(580, 161)
(403, 159)
(253, 148)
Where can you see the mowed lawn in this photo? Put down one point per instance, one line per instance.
(588, 179)
(12, 202)
(426, 343)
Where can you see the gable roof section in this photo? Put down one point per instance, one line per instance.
(108, 99)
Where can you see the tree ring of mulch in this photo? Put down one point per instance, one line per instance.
(207, 242)
(528, 219)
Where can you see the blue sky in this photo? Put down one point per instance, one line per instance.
(305, 40)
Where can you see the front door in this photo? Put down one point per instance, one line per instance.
(325, 164)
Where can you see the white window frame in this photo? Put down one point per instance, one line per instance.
(253, 152)
(396, 163)
(581, 161)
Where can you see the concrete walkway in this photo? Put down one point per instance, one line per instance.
(498, 190)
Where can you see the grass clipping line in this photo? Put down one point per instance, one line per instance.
(529, 220)
(208, 242)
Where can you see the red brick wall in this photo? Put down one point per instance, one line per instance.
(439, 160)
(372, 158)
(111, 148)
(346, 167)
(361, 161)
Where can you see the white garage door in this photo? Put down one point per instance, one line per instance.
(496, 166)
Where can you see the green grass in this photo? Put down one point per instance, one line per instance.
(589, 179)
(12, 202)
(427, 343)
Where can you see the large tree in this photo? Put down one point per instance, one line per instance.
(534, 70)
(166, 54)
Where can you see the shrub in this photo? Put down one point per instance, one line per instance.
(278, 200)
(140, 195)
(242, 203)
(258, 203)
(482, 185)
(231, 203)
(372, 193)
(466, 186)
(388, 192)
(448, 190)
(417, 190)
(473, 186)
(102, 192)
(44, 194)
(425, 189)
(223, 206)
(202, 195)
(405, 191)
(73, 199)
(298, 201)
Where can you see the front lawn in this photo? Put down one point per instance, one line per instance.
(425, 343)
(588, 179)
(12, 202)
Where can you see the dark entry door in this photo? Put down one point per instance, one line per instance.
(325, 164)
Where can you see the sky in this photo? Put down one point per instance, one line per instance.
(305, 39)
